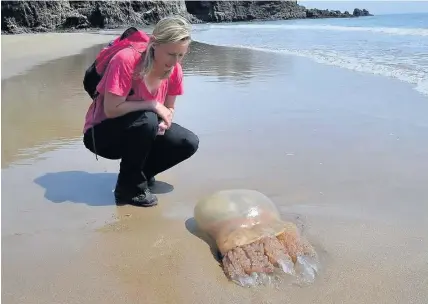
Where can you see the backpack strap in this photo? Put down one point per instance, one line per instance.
(129, 31)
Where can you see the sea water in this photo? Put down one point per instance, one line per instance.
(388, 45)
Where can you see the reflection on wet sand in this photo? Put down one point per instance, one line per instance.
(44, 107)
(233, 64)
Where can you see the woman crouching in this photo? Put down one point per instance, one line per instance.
(131, 118)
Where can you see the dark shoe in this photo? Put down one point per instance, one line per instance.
(143, 199)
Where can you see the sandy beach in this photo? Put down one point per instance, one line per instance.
(338, 151)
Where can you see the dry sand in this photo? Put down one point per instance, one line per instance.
(354, 173)
(21, 52)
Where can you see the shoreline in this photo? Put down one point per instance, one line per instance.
(96, 30)
(88, 45)
(416, 86)
(91, 43)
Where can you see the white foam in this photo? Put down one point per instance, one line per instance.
(320, 27)
(373, 65)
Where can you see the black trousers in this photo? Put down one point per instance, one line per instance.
(132, 138)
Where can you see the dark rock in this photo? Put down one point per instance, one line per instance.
(366, 13)
(32, 15)
(23, 16)
(230, 11)
(361, 13)
(49, 16)
(111, 14)
(77, 21)
(357, 12)
(314, 13)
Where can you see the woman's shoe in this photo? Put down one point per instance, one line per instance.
(142, 199)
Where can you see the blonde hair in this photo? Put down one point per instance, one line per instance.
(170, 29)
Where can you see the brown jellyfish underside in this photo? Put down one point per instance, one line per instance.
(267, 253)
(252, 238)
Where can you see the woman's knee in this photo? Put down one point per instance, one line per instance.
(182, 139)
(190, 143)
(110, 151)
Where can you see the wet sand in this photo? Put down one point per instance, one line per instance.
(343, 153)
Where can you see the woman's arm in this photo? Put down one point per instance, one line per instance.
(118, 82)
(175, 87)
(115, 106)
(170, 102)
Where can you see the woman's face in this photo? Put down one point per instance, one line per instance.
(168, 54)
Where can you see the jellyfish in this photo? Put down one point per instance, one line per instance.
(255, 244)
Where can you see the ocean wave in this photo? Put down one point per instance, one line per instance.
(368, 65)
(383, 30)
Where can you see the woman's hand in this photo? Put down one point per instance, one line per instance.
(164, 113)
(162, 128)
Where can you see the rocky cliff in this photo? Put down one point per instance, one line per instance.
(227, 11)
(46, 16)
(49, 16)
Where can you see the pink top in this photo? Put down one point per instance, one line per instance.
(119, 79)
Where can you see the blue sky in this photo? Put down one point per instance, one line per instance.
(375, 7)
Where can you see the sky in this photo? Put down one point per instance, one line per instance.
(375, 7)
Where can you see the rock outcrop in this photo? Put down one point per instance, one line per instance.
(314, 13)
(46, 16)
(49, 16)
(361, 13)
(230, 11)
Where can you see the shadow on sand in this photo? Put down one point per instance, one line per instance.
(192, 227)
(93, 189)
